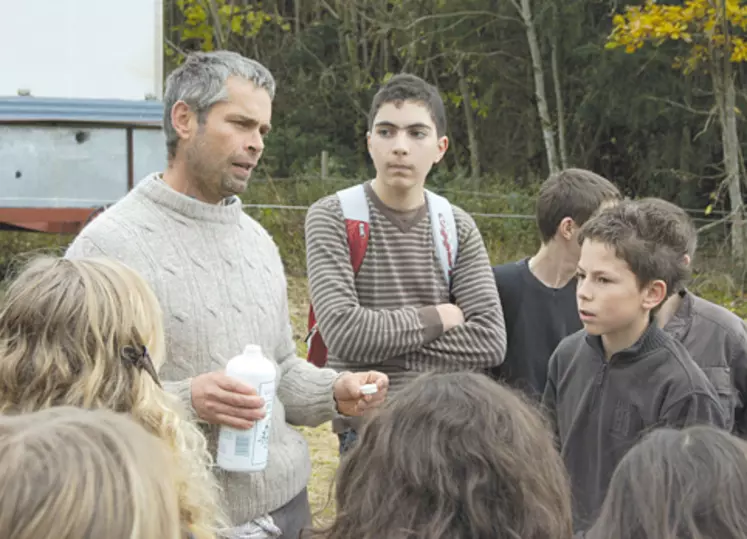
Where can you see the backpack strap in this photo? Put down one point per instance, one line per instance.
(354, 206)
(445, 237)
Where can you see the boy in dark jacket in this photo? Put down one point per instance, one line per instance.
(621, 375)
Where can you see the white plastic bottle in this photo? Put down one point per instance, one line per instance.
(246, 450)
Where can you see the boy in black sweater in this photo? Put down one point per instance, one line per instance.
(621, 375)
(538, 294)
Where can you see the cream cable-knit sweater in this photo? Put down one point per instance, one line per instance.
(220, 281)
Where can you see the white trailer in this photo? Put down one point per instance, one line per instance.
(80, 107)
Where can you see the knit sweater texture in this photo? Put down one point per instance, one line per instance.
(221, 283)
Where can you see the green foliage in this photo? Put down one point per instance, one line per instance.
(16, 245)
(211, 24)
(505, 238)
(619, 114)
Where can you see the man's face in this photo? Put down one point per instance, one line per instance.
(404, 144)
(610, 300)
(223, 150)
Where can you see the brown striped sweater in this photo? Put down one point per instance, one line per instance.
(385, 317)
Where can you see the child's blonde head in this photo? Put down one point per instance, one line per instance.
(69, 473)
(84, 333)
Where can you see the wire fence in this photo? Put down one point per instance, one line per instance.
(473, 214)
(699, 214)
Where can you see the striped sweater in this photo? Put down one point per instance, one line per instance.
(385, 317)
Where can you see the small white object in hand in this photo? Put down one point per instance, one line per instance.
(369, 389)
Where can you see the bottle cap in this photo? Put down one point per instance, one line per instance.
(252, 349)
(369, 389)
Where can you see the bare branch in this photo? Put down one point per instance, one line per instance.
(490, 14)
(707, 124)
(176, 47)
(213, 10)
(679, 105)
(714, 224)
(329, 8)
(473, 54)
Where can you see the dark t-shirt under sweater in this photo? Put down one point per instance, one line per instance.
(537, 318)
(600, 408)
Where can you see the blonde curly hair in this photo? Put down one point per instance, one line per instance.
(71, 473)
(78, 333)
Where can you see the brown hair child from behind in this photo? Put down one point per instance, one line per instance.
(456, 456)
(678, 484)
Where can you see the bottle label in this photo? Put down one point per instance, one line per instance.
(248, 448)
(261, 431)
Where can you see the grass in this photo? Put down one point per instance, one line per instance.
(322, 442)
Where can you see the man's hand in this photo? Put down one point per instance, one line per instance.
(222, 400)
(451, 315)
(350, 399)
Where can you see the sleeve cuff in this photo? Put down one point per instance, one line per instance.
(431, 320)
(182, 390)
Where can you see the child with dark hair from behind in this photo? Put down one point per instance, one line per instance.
(456, 456)
(715, 337)
(621, 375)
(678, 484)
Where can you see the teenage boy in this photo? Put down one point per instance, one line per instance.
(621, 375)
(423, 299)
(538, 294)
(715, 337)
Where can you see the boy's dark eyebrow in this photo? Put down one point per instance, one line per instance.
(418, 125)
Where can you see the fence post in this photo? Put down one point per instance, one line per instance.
(325, 164)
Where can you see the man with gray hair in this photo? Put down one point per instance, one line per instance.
(221, 283)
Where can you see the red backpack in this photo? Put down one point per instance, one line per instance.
(354, 206)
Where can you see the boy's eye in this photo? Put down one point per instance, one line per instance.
(604, 280)
(418, 134)
(580, 275)
(384, 131)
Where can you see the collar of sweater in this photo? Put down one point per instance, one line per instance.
(652, 339)
(156, 190)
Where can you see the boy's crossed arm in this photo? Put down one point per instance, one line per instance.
(481, 341)
(364, 335)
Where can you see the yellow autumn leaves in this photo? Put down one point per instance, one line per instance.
(201, 19)
(699, 23)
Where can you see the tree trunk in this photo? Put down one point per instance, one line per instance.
(474, 154)
(726, 96)
(559, 105)
(539, 88)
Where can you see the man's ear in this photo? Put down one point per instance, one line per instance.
(654, 293)
(183, 119)
(443, 145)
(688, 260)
